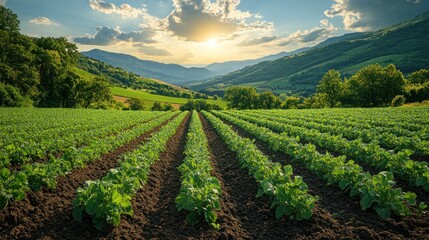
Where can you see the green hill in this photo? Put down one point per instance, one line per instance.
(150, 98)
(406, 45)
(147, 95)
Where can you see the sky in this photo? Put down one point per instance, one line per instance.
(200, 32)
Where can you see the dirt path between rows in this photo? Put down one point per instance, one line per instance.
(337, 215)
(48, 214)
(255, 214)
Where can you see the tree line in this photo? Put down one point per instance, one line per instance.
(372, 86)
(38, 71)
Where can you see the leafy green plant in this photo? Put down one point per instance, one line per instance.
(12, 187)
(200, 192)
(289, 196)
(105, 200)
(377, 191)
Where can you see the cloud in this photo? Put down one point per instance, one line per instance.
(107, 36)
(42, 21)
(199, 20)
(364, 15)
(3, 2)
(125, 10)
(151, 50)
(258, 41)
(311, 35)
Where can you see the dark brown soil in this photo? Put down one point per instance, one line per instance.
(337, 215)
(48, 212)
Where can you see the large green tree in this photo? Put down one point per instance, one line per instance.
(8, 20)
(241, 97)
(267, 100)
(417, 88)
(374, 86)
(419, 77)
(332, 86)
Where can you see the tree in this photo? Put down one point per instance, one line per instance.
(398, 101)
(136, 104)
(374, 86)
(291, 102)
(11, 97)
(331, 85)
(8, 20)
(168, 107)
(318, 100)
(156, 107)
(95, 91)
(241, 97)
(199, 105)
(267, 100)
(419, 77)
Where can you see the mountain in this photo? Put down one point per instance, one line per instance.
(231, 66)
(406, 45)
(171, 73)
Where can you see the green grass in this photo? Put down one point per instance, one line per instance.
(150, 98)
(83, 74)
(383, 60)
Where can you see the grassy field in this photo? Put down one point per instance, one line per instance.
(151, 98)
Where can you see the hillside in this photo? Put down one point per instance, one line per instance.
(171, 73)
(405, 45)
(231, 66)
(120, 77)
(150, 98)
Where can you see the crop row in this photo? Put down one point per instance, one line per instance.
(106, 199)
(26, 122)
(23, 150)
(376, 191)
(199, 192)
(357, 120)
(289, 195)
(385, 139)
(417, 173)
(34, 176)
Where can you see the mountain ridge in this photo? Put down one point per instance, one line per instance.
(171, 73)
(230, 66)
(404, 44)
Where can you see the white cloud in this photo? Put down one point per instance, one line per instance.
(310, 35)
(42, 21)
(364, 15)
(105, 36)
(125, 10)
(200, 20)
(3, 2)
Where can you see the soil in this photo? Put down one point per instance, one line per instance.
(337, 215)
(49, 211)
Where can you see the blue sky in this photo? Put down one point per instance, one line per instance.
(205, 31)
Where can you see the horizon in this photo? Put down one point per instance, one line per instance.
(200, 32)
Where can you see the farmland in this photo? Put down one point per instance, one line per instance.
(150, 98)
(266, 174)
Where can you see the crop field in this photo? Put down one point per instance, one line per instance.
(255, 174)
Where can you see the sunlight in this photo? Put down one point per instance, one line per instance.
(212, 42)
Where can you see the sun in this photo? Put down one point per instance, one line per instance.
(212, 42)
